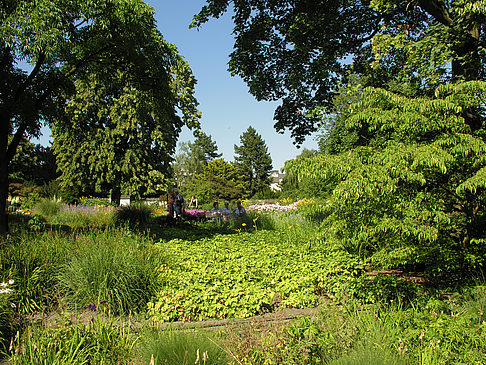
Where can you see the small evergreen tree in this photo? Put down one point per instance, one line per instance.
(254, 160)
(192, 158)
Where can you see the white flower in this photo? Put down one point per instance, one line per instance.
(11, 281)
(3, 285)
(6, 291)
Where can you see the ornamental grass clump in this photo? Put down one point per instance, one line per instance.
(6, 314)
(48, 207)
(115, 275)
(69, 342)
(177, 347)
(134, 215)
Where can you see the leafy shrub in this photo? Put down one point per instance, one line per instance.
(30, 197)
(98, 342)
(36, 223)
(115, 273)
(92, 201)
(134, 215)
(171, 347)
(386, 288)
(48, 207)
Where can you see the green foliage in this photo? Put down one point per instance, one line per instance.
(243, 274)
(30, 196)
(33, 163)
(119, 130)
(418, 182)
(92, 201)
(6, 316)
(434, 332)
(135, 215)
(177, 347)
(295, 51)
(48, 207)
(192, 158)
(254, 161)
(219, 180)
(110, 274)
(97, 342)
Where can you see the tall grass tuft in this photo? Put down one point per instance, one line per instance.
(98, 342)
(182, 348)
(32, 260)
(112, 272)
(134, 215)
(48, 207)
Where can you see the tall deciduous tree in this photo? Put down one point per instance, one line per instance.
(293, 50)
(58, 39)
(118, 131)
(254, 160)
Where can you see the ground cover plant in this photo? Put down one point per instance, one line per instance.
(249, 272)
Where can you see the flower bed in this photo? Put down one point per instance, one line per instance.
(277, 207)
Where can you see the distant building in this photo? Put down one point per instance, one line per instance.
(277, 179)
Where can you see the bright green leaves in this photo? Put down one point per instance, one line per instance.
(418, 182)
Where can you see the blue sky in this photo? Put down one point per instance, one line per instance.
(227, 107)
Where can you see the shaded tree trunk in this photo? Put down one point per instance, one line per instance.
(3, 175)
(115, 195)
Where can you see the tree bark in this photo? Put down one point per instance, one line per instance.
(115, 195)
(3, 174)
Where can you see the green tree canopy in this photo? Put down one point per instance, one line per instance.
(60, 40)
(416, 191)
(192, 158)
(254, 161)
(294, 50)
(205, 147)
(219, 180)
(119, 130)
(33, 163)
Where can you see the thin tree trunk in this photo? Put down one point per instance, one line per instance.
(3, 175)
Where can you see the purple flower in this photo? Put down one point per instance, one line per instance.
(91, 306)
(103, 301)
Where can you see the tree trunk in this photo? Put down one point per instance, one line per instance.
(115, 195)
(3, 175)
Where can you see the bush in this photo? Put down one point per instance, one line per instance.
(115, 275)
(134, 215)
(92, 201)
(170, 347)
(48, 207)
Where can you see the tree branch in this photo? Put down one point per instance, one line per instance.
(29, 79)
(437, 9)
